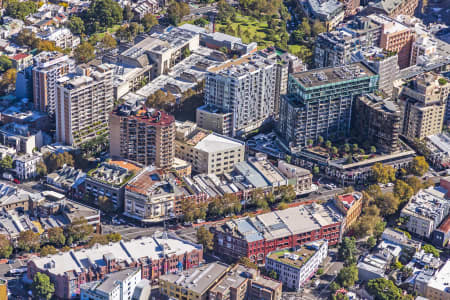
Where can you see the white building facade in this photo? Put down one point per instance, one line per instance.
(295, 276)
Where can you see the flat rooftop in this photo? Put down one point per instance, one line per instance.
(215, 142)
(128, 252)
(441, 279)
(295, 258)
(428, 203)
(319, 77)
(198, 279)
(272, 174)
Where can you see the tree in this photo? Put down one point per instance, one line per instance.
(84, 53)
(384, 289)
(108, 42)
(41, 169)
(346, 148)
(5, 63)
(334, 150)
(148, 21)
(287, 193)
(373, 149)
(102, 14)
(6, 163)
(76, 25)
(42, 287)
(205, 237)
(373, 190)
(8, 80)
(272, 274)
(319, 138)
(247, 262)
(48, 250)
(78, 230)
(97, 239)
(27, 38)
(176, 11)
(382, 173)
(402, 190)
(347, 251)
(6, 248)
(56, 236)
(282, 205)
(316, 170)
(419, 166)
(20, 10)
(415, 183)
(387, 203)
(430, 249)
(127, 13)
(371, 242)
(113, 237)
(328, 144)
(28, 241)
(305, 27)
(318, 28)
(348, 276)
(105, 204)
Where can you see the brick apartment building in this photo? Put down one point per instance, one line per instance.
(255, 237)
(155, 256)
(145, 137)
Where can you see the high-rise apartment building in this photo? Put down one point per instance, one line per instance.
(423, 101)
(83, 103)
(319, 102)
(248, 88)
(146, 137)
(377, 121)
(382, 62)
(48, 67)
(395, 37)
(333, 49)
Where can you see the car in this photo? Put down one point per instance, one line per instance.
(389, 184)
(16, 181)
(187, 224)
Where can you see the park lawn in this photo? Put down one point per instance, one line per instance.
(110, 30)
(294, 48)
(255, 28)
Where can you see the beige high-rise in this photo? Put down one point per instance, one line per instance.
(83, 104)
(423, 102)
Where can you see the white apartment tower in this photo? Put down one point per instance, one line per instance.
(248, 88)
(83, 104)
(48, 67)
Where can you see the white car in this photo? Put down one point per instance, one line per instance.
(389, 184)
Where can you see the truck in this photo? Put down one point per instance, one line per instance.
(7, 176)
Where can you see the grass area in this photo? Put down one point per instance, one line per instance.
(250, 30)
(100, 35)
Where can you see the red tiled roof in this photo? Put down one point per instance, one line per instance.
(347, 198)
(445, 226)
(19, 56)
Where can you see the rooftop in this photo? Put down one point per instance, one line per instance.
(243, 65)
(153, 248)
(298, 257)
(390, 25)
(115, 173)
(215, 142)
(428, 203)
(270, 173)
(441, 279)
(112, 280)
(324, 76)
(151, 117)
(326, 7)
(280, 223)
(198, 279)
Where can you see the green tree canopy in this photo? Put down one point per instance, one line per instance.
(102, 14)
(347, 250)
(148, 21)
(205, 237)
(5, 63)
(402, 190)
(20, 10)
(176, 11)
(383, 173)
(6, 163)
(348, 276)
(419, 166)
(5, 246)
(28, 241)
(76, 25)
(84, 53)
(383, 289)
(41, 287)
(56, 236)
